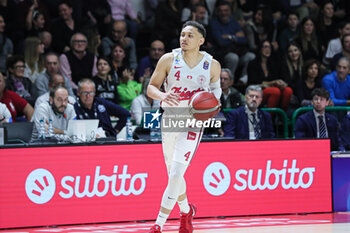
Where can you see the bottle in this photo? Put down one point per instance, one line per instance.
(155, 134)
(42, 130)
(51, 133)
(128, 129)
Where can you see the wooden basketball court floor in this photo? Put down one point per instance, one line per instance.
(305, 223)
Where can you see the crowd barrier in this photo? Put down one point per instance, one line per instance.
(59, 185)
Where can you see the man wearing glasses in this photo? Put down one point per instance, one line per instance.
(57, 110)
(78, 63)
(90, 107)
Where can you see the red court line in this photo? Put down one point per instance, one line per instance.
(210, 223)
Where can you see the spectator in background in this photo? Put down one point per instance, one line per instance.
(335, 45)
(290, 31)
(6, 46)
(345, 132)
(310, 81)
(304, 8)
(196, 10)
(99, 14)
(17, 82)
(128, 89)
(7, 9)
(119, 63)
(63, 29)
(46, 38)
(94, 39)
(78, 63)
(122, 10)
(292, 65)
(35, 20)
(230, 97)
(338, 83)
(237, 12)
(168, 22)
(148, 63)
(345, 52)
(14, 103)
(143, 103)
(249, 122)
(230, 43)
(33, 52)
(55, 81)
(260, 28)
(5, 115)
(265, 70)
(52, 67)
(311, 46)
(106, 81)
(90, 107)
(326, 24)
(57, 109)
(150, 7)
(118, 36)
(317, 123)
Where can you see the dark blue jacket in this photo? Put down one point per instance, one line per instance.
(305, 127)
(237, 124)
(104, 109)
(345, 132)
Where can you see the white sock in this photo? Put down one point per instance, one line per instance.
(161, 219)
(184, 207)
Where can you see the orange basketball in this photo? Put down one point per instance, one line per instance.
(204, 105)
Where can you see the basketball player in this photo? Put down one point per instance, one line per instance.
(184, 71)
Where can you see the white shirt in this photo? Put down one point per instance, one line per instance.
(33, 75)
(59, 121)
(4, 112)
(334, 47)
(139, 105)
(186, 81)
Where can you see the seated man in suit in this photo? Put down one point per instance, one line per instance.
(345, 132)
(249, 122)
(318, 123)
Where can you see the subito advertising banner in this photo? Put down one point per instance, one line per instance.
(90, 184)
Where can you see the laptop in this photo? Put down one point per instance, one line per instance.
(82, 130)
(18, 132)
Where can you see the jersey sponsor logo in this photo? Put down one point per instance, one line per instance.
(177, 60)
(177, 67)
(206, 65)
(191, 136)
(185, 94)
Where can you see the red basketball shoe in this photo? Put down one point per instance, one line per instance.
(155, 229)
(186, 220)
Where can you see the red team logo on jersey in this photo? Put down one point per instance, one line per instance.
(191, 136)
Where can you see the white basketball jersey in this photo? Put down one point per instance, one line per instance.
(186, 81)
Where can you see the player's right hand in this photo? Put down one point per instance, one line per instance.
(171, 99)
